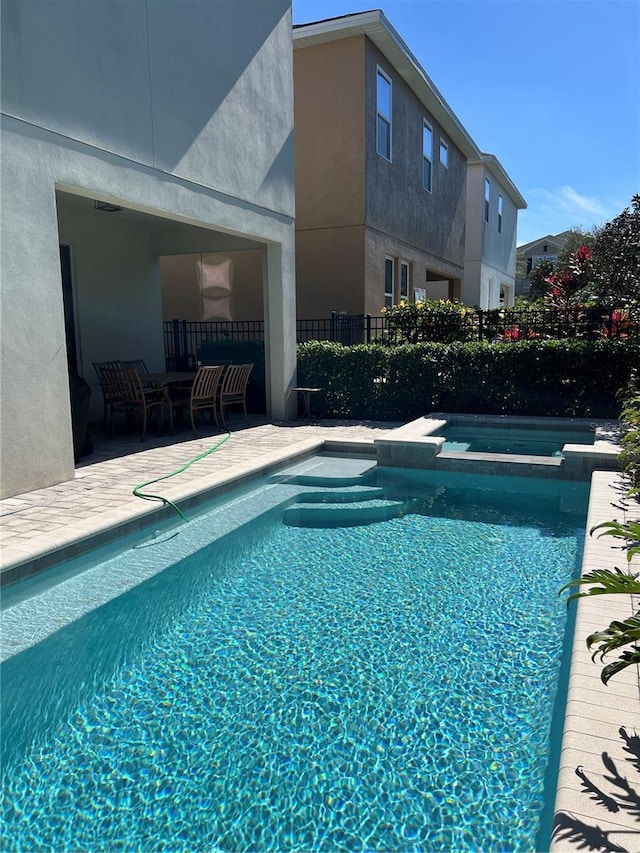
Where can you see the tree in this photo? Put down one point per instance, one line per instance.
(538, 279)
(616, 258)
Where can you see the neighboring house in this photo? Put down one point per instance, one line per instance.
(132, 132)
(493, 202)
(380, 170)
(385, 178)
(530, 254)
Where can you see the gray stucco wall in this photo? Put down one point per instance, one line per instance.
(396, 202)
(180, 109)
(200, 89)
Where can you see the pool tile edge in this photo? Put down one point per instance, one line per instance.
(575, 812)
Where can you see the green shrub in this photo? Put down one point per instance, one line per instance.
(571, 378)
(439, 320)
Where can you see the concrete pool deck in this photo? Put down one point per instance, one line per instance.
(598, 749)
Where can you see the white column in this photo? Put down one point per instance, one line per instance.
(280, 328)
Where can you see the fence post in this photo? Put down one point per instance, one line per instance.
(333, 325)
(367, 328)
(480, 324)
(177, 351)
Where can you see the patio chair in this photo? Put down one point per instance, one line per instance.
(140, 367)
(100, 367)
(202, 395)
(129, 396)
(233, 391)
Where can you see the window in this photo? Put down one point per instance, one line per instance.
(536, 259)
(388, 282)
(427, 156)
(444, 153)
(499, 214)
(487, 196)
(383, 133)
(404, 280)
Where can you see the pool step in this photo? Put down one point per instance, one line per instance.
(346, 494)
(331, 481)
(365, 509)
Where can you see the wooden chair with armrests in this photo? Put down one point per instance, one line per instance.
(203, 394)
(139, 365)
(131, 397)
(100, 368)
(233, 390)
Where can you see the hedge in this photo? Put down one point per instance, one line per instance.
(571, 378)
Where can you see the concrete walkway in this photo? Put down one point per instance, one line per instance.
(34, 526)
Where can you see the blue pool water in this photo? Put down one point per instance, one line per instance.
(386, 685)
(494, 439)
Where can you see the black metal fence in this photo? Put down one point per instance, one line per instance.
(183, 338)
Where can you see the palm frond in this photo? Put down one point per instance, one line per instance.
(612, 582)
(629, 532)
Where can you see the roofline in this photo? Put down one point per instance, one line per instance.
(491, 162)
(375, 26)
(548, 237)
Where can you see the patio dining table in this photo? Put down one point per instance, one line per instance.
(169, 377)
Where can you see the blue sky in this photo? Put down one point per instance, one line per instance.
(551, 87)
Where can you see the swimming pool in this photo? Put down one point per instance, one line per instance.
(495, 439)
(297, 683)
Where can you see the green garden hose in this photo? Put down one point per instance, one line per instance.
(166, 501)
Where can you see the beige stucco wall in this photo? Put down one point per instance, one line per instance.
(181, 295)
(330, 182)
(329, 122)
(330, 271)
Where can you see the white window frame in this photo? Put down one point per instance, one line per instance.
(444, 147)
(405, 280)
(499, 214)
(389, 294)
(427, 158)
(381, 116)
(487, 198)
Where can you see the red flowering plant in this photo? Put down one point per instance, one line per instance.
(566, 284)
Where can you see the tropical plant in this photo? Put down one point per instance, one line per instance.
(539, 280)
(566, 285)
(620, 633)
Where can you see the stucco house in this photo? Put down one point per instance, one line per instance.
(386, 179)
(130, 132)
(493, 202)
(529, 255)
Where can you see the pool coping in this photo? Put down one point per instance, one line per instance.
(593, 714)
(416, 445)
(115, 523)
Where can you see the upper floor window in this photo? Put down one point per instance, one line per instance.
(499, 214)
(388, 282)
(404, 280)
(427, 156)
(383, 133)
(487, 196)
(444, 153)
